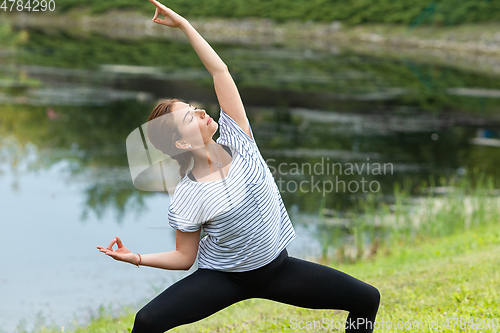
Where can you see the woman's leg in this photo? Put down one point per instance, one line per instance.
(195, 297)
(310, 285)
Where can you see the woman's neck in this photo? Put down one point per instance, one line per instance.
(206, 156)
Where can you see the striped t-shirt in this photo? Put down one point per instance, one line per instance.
(243, 215)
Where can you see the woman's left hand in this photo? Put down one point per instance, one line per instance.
(121, 254)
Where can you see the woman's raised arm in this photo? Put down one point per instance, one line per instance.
(225, 88)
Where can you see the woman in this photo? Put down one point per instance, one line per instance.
(231, 193)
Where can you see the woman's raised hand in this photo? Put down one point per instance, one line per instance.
(172, 19)
(121, 254)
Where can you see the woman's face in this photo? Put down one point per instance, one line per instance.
(195, 126)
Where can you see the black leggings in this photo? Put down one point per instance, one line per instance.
(286, 279)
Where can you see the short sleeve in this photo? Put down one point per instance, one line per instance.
(232, 134)
(185, 212)
(181, 223)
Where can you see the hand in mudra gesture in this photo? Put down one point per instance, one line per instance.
(172, 19)
(121, 254)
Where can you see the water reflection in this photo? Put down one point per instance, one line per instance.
(67, 108)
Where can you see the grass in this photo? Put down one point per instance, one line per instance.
(455, 276)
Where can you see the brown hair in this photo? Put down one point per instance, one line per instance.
(163, 135)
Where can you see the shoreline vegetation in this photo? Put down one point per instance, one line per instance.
(468, 46)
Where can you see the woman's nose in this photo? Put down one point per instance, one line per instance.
(202, 113)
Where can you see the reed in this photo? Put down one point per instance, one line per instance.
(413, 214)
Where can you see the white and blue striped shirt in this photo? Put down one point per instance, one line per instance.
(243, 215)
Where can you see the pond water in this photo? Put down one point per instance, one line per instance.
(345, 119)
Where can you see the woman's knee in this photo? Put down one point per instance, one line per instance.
(368, 301)
(145, 321)
(373, 298)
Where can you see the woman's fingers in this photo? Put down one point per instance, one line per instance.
(162, 9)
(112, 253)
(172, 19)
(119, 242)
(155, 18)
(102, 249)
(160, 21)
(110, 246)
(116, 240)
(156, 3)
(159, 5)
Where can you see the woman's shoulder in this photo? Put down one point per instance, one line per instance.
(228, 126)
(185, 187)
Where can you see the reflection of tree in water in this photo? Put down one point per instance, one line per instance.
(123, 201)
(90, 140)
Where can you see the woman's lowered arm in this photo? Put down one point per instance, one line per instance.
(182, 258)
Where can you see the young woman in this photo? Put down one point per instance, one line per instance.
(231, 193)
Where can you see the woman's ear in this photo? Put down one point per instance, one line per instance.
(182, 144)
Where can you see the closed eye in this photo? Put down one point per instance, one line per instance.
(192, 115)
